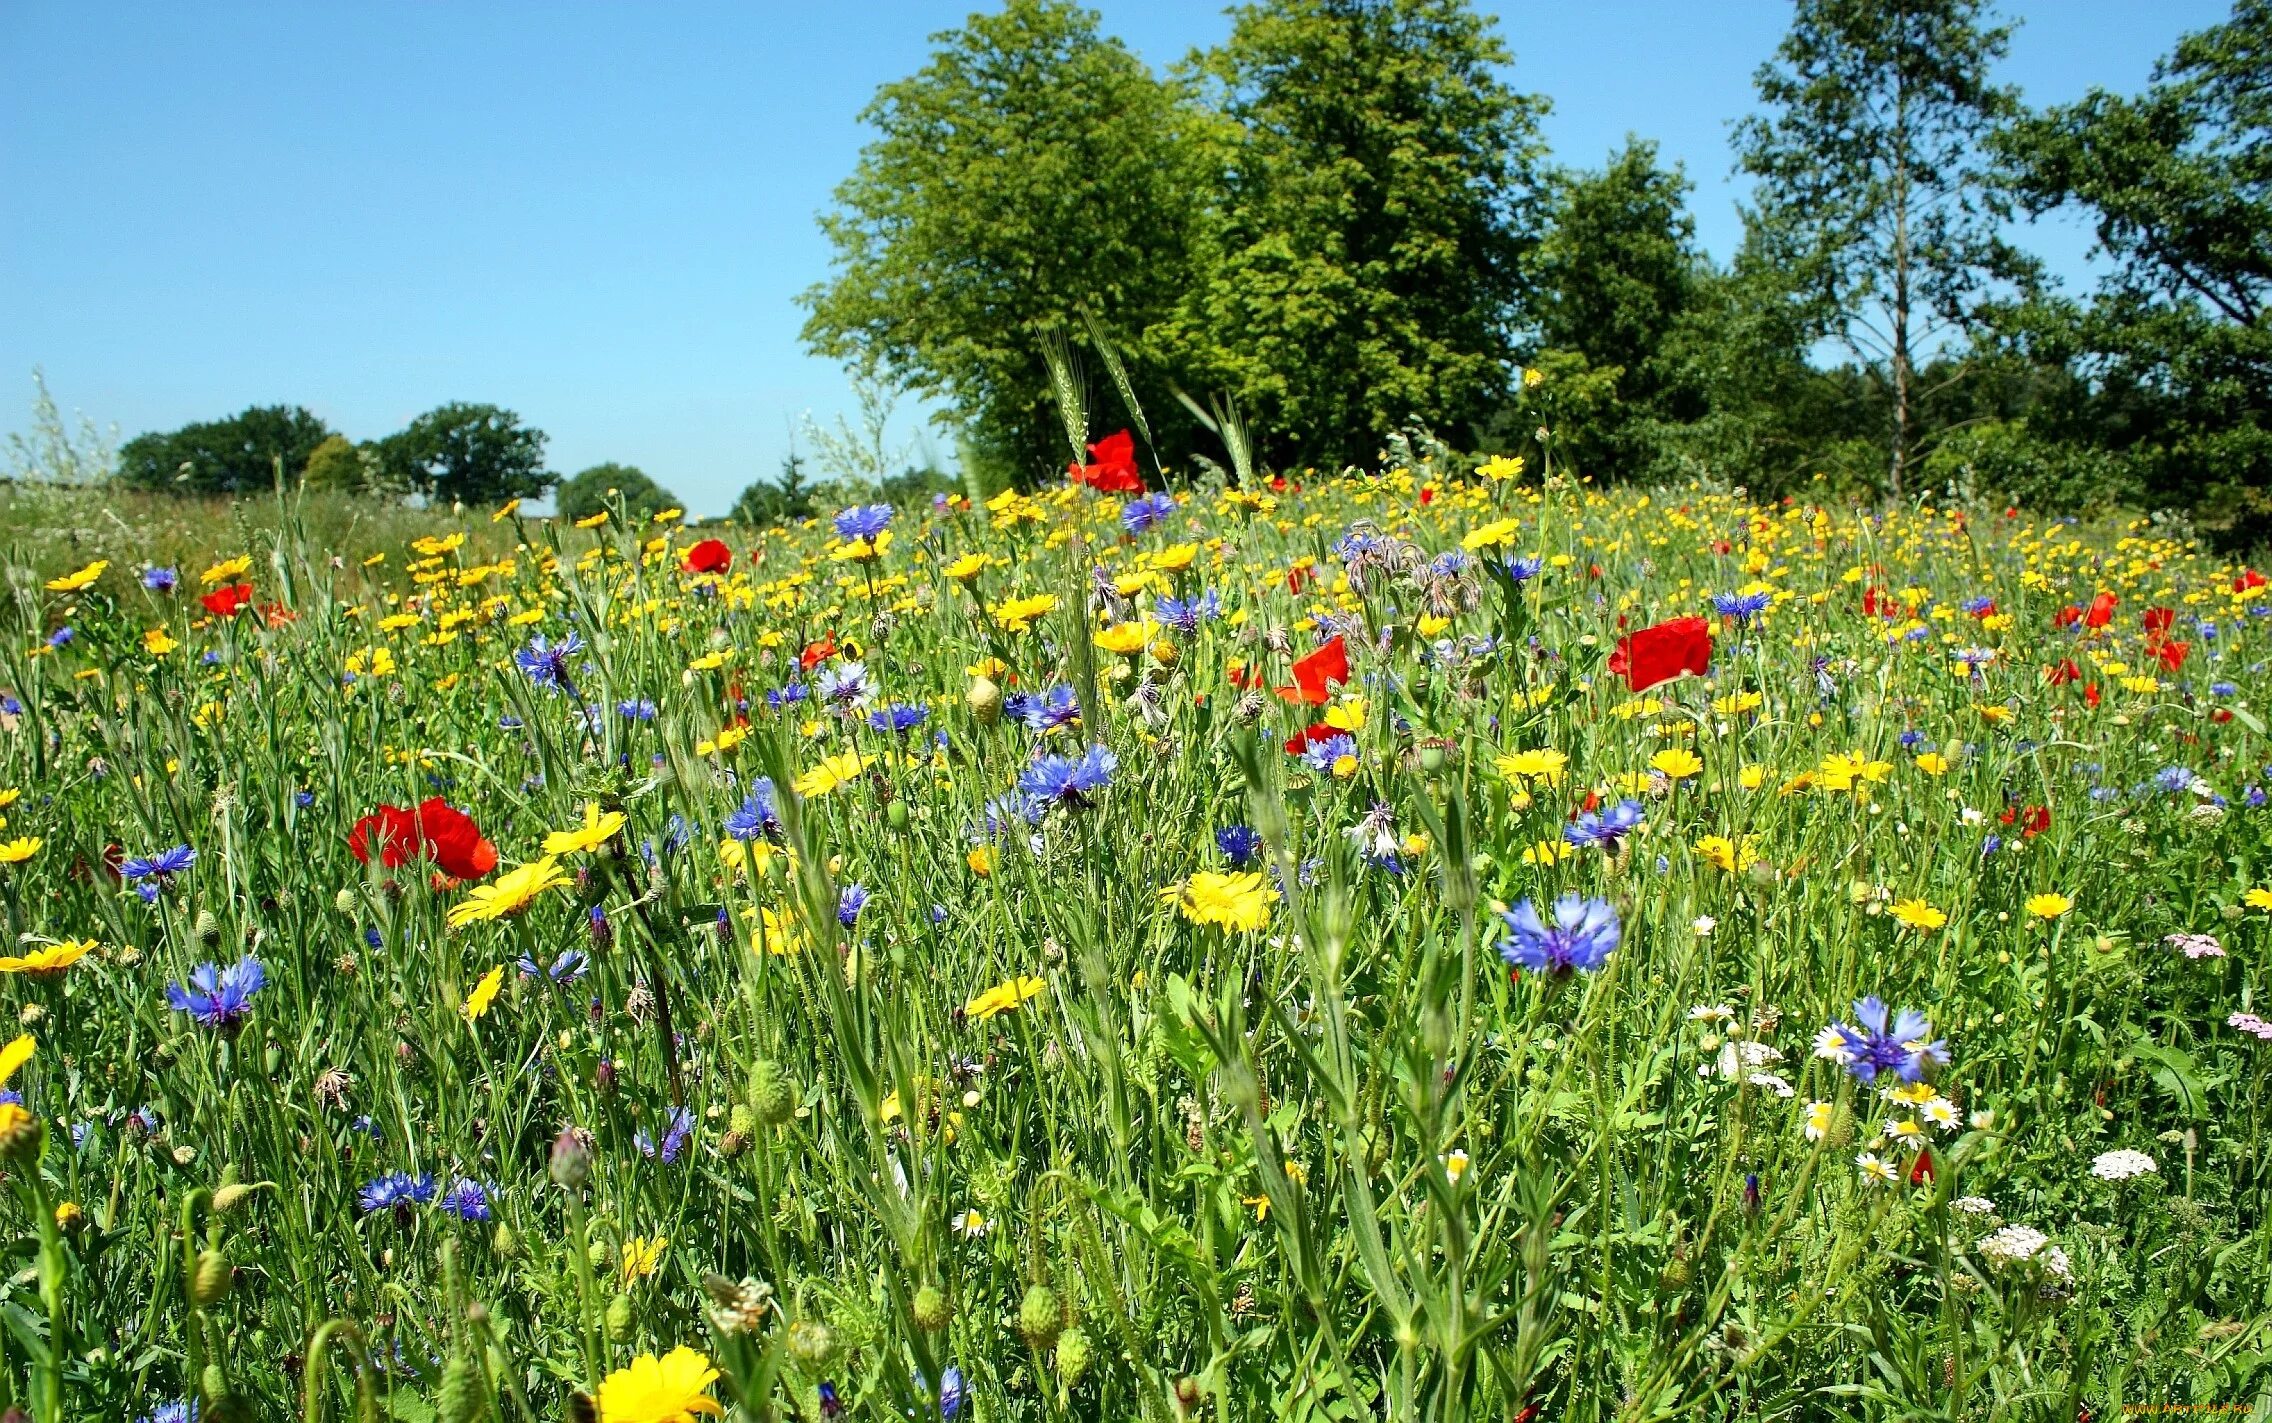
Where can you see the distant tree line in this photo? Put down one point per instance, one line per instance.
(1343, 223)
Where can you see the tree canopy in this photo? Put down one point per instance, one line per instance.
(233, 456)
(464, 453)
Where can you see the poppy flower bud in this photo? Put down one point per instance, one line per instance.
(932, 1310)
(770, 1096)
(459, 1398)
(210, 1285)
(571, 1160)
(619, 1319)
(812, 1343)
(984, 700)
(344, 901)
(1041, 1316)
(1073, 1356)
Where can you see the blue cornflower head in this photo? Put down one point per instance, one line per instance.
(547, 663)
(759, 814)
(850, 900)
(466, 1199)
(1053, 708)
(846, 684)
(1324, 756)
(373, 939)
(183, 1412)
(162, 866)
(1522, 570)
(1912, 739)
(675, 1136)
(1606, 827)
(1184, 615)
(635, 710)
(1974, 607)
(61, 637)
(1450, 564)
(1061, 780)
(1879, 1040)
(1239, 844)
(219, 997)
(1743, 607)
(160, 580)
(788, 694)
(1141, 514)
(2174, 779)
(1006, 812)
(570, 966)
(2222, 689)
(397, 1190)
(2255, 797)
(1974, 657)
(952, 1392)
(863, 522)
(899, 718)
(1580, 938)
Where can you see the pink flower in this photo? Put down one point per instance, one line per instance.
(2196, 946)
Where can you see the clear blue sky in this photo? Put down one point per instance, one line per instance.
(598, 215)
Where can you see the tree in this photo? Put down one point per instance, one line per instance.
(1365, 253)
(2177, 183)
(233, 456)
(471, 454)
(1617, 271)
(604, 486)
(1869, 180)
(342, 466)
(766, 501)
(1031, 171)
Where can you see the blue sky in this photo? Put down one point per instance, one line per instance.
(599, 215)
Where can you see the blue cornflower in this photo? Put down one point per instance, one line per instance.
(570, 966)
(635, 710)
(1325, 756)
(373, 938)
(1184, 615)
(1061, 780)
(675, 1135)
(759, 815)
(61, 637)
(1974, 607)
(1239, 844)
(788, 694)
(846, 684)
(219, 997)
(1605, 828)
(397, 1190)
(2222, 689)
(863, 522)
(1912, 739)
(160, 580)
(899, 718)
(183, 1412)
(466, 1199)
(830, 1404)
(850, 900)
(2255, 797)
(1743, 607)
(1053, 708)
(547, 662)
(1140, 514)
(2174, 779)
(952, 1392)
(1004, 812)
(1904, 1048)
(1522, 570)
(1581, 937)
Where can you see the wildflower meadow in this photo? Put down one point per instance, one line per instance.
(1437, 943)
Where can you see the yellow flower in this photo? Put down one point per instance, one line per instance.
(1347, 716)
(1500, 533)
(1727, 854)
(1545, 764)
(1128, 639)
(15, 1055)
(510, 893)
(228, 570)
(20, 849)
(642, 1255)
(779, 932)
(1018, 614)
(862, 550)
(1500, 468)
(982, 860)
(73, 582)
(1818, 1119)
(672, 1389)
(505, 511)
(2258, 899)
(1175, 557)
(484, 993)
(592, 521)
(1917, 914)
(48, 958)
(1676, 763)
(966, 568)
(1549, 852)
(2048, 905)
(1933, 763)
(597, 830)
(1004, 997)
(1234, 901)
(833, 771)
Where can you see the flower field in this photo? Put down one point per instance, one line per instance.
(1418, 946)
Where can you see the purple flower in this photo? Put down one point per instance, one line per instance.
(162, 866)
(1743, 607)
(1061, 780)
(846, 685)
(547, 663)
(675, 1137)
(898, 718)
(1323, 756)
(218, 997)
(1605, 828)
(849, 902)
(397, 1190)
(1238, 844)
(1054, 708)
(1581, 937)
(467, 1199)
(160, 580)
(952, 1392)
(758, 816)
(863, 522)
(1871, 1044)
(1184, 615)
(570, 966)
(1140, 514)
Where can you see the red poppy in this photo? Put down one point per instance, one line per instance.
(1112, 466)
(708, 556)
(276, 614)
(1921, 1170)
(1315, 674)
(436, 830)
(2158, 620)
(2035, 820)
(2090, 695)
(816, 653)
(2067, 616)
(1663, 652)
(1427, 494)
(2062, 674)
(2101, 611)
(1312, 735)
(225, 600)
(2249, 578)
(1296, 577)
(1242, 676)
(2173, 654)
(1986, 609)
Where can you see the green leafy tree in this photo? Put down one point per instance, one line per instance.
(604, 486)
(1366, 249)
(1617, 272)
(340, 465)
(233, 456)
(777, 501)
(2176, 341)
(1032, 170)
(1868, 168)
(471, 454)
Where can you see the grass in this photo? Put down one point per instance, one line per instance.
(1201, 1085)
